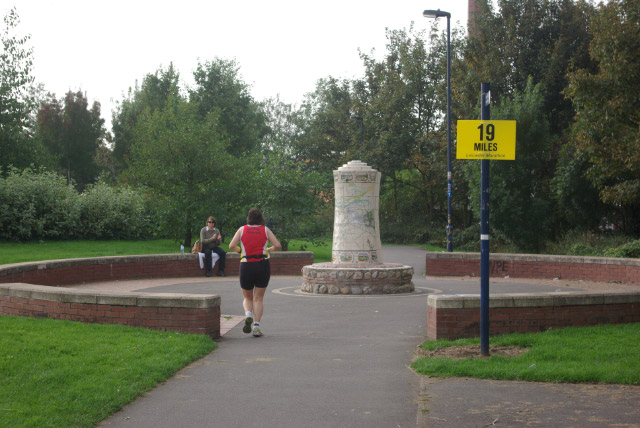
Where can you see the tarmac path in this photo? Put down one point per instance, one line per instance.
(343, 361)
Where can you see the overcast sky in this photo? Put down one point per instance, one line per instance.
(283, 47)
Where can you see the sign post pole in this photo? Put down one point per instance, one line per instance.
(485, 114)
(485, 139)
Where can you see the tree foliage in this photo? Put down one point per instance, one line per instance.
(72, 133)
(291, 195)
(606, 132)
(152, 95)
(182, 160)
(527, 38)
(328, 138)
(17, 100)
(220, 89)
(522, 203)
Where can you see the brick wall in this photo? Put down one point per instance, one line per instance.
(199, 314)
(25, 290)
(75, 271)
(453, 317)
(603, 269)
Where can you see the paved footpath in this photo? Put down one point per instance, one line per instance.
(329, 361)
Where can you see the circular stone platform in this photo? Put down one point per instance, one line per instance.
(381, 278)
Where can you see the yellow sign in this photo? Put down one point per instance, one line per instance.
(486, 139)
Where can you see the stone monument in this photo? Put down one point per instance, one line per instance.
(357, 264)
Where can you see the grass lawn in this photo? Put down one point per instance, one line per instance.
(17, 252)
(599, 354)
(69, 374)
(321, 252)
(427, 247)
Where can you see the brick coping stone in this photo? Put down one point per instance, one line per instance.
(13, 268)
(526, 300)
(538, 258)
(93, 297)
(539, 266)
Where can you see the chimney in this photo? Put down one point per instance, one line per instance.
(471, 21)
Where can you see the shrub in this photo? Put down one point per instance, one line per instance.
(109, 213)
(628, 250)
(37, 204)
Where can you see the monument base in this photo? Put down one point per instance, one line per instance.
(334, 278)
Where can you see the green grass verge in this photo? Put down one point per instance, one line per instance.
(599, 354)
(321, 251)
(17, 252)
(427, 247)
(70, 374)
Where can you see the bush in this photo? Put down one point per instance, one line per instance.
(37, 205)
(628, 250)
(584, 243)
(108, 213)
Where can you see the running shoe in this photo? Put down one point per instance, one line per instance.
(256, 331)
(247, 325)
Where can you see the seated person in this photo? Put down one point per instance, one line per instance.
(211, 238)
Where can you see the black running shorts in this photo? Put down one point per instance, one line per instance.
(255, 274)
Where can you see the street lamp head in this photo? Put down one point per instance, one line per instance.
(436, 14)
(353, 116)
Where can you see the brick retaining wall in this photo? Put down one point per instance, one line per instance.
(75, 271)
(199, 314)
(455, 316)
(604, 269)
(26, 290)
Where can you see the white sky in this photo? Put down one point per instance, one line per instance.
(283, 47)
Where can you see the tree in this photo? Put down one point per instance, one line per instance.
(72, 133)
(606, 132)
(522, 205)
(182, 160)
(17, 100)
(404, 98)
(527, 38)
(292, 197)
(152, 94)
(327, 140)
(219, 88)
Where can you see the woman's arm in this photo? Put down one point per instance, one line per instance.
(275, 244)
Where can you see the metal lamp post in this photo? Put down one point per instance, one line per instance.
(435, 14)
(353, 116)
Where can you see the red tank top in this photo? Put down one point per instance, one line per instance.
(253, 243)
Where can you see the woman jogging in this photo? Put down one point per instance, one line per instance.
(255, 270)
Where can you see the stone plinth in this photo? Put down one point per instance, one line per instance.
(331, 278)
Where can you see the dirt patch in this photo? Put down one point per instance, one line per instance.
(471, 351)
